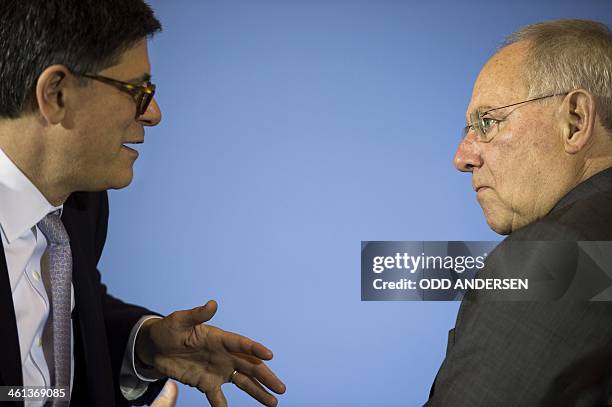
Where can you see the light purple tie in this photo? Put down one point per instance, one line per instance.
(60, 275)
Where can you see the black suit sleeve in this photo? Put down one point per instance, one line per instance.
(119, 317)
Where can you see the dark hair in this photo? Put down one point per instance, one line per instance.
(84, 35)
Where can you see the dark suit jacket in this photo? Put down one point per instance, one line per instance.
(102, 323)
(537, 353)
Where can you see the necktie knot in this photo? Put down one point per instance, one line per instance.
(53, 229)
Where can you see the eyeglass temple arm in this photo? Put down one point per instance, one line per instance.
(525, 101)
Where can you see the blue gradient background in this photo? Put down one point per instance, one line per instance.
(293, 130)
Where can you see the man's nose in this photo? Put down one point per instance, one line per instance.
(468, 154)
(152, 116)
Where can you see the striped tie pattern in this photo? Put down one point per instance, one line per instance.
(60, 275)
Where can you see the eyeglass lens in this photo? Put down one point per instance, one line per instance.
(144, 101)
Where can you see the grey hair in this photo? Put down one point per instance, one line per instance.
(564, 55)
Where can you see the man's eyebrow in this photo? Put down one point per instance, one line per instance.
(479, 109)
(145, 77)
(484, 108)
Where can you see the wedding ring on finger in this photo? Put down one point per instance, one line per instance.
(231, 379)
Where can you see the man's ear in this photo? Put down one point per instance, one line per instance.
(577, 120)
(50, 93)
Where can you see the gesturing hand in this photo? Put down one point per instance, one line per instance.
(182, 347)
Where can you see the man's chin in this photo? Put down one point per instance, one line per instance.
(499, 228)
(122, 181)
(496, 221)
(121, 185)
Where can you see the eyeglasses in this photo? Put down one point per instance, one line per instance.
(142, 94)
(482, 125)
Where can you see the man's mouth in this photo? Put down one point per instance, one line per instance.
(480, 188)
(132, 142)
(124, 145)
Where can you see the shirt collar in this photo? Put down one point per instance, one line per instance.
(22, 205)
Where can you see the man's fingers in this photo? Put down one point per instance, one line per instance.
(196, 316)
(254, 389)
(241, 344)
(216, 398)
(259, 370)
(168, 395)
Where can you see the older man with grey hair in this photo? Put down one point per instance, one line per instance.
(539, 147)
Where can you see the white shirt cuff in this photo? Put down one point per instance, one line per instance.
(135, 378)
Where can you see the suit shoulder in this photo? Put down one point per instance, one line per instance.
(584, 219)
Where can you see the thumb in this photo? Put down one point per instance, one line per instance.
(168, 396)
(198, 315)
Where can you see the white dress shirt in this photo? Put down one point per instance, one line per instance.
(22, 206)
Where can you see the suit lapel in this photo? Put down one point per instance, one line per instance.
(97, 368)
(10, 356)
(90, 324)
